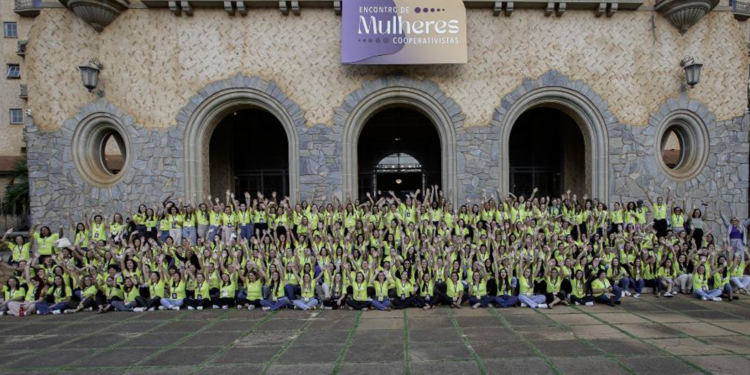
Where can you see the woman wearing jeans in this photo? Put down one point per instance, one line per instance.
(175, 292)
(130, 293)
(526, 288)
(601, 288)
(307, 299)
(382, 285)
(276, 298)
(59, 298)
(700, 284)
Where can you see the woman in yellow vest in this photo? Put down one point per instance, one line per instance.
(700, 284)
(12, 292)
(61, 297)
(19, 248)
(604, 292)
(201, 298)
(382, 283)
(722, 273)
(553, 280)
(276, 298)
(358, 299)
(156, 285)
(307, 300)
(128, 292)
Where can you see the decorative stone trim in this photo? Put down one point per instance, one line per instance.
(694, 133)
(684, 13)
(88, 145)
(97, 13)
(58, 186)
(197, 120)
(552, 89)
(422, 95)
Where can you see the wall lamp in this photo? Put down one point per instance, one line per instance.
(692, 72)
(90, 76)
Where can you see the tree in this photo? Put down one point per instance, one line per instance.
(16, 197)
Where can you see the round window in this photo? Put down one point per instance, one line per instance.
(673, 148)
(682, 145)
(100, 150)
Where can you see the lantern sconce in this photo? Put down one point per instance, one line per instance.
(692, 72)
(90, 76)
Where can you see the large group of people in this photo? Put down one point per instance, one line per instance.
(382, 252)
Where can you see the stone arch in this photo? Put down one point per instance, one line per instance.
(200, 117)
(577, 100)
(423, 96)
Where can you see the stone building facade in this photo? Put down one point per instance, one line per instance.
(174, 69)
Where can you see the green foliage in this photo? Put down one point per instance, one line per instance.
(16, 197)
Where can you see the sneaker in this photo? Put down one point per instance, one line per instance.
(667, 294)
(266, 308)
(704, 299)
(214, 307)
(658, 295)
(161, 308)
(251, 307)
(224, 307)
(70, 311)
(91, 309)
(523, 304)
(199, 308)
(56, 312)
(191, 308)
(577, 304)
(176, 308)
(239, 307)
(152, 309)
(626, 293)
(541, 306)
(138, 309)
(2, 313)
(328, 308)
(717, 299)
(637, 295)
(589, 304)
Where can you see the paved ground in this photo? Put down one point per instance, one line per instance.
(650, 336)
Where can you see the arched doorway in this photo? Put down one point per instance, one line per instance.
(547, 151)
(236, 166)
(398, 150)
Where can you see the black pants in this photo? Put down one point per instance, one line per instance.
(660, 226)
(333, 302)
(574, 299)
(399, 303)
(358, 305)
(148, 303)
(224, 301)
(195, 303)
(698, 237)
(245, 301)
(551, 297)
(655, 283)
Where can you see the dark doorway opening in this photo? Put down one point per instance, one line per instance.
(399, 151)
(547, 151)
(249, 152)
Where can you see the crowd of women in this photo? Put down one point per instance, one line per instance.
(379, 253)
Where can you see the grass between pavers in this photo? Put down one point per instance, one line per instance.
(347, 344)
(63, 343)
(587, 342)
(474, 355)
(693, 365)
(526, 342)
(286, 346)
(226, 348)
(407, 355)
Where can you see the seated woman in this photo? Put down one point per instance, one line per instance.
(478, 288)
(59, 298)
(505, 296)
(90, 297)
(12, 292)
(526, 287)
(721, 278)
(382, 284)
(307, 300)
(130, 293)
(579, 295)
(358, 299)
(700, 284)
(553, 281)
(738, 277)
(156, 287)
(276, 298)
(455, 289)
(175, 292)
(604, 292)
(337, 292)
(253, 287)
